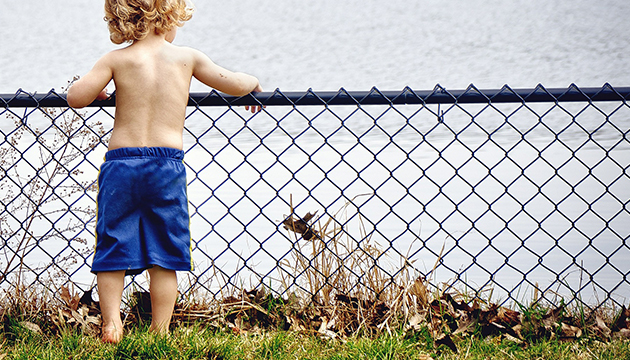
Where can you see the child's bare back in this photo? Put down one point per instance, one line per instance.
(152, 79)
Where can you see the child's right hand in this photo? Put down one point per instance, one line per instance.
(85, 90)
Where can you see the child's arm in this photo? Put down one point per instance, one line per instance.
(217, 77)
(91, 86)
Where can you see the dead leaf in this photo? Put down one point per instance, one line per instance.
(301, 226)
(570, 331)
(601, 326)
(508, 317)
(86, 298)
(465, 323)
(325, 328)
(623, 334)
(65, 294)
(72, 301)
(446, 340)
(235, 329)
(31, 326)
(415, 320)
(621, 322)
(517, 330)
(551, 320)
(419, 289)
(309, 216)
(513, 339)
(454, 304)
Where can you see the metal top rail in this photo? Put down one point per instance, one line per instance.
(344, 97)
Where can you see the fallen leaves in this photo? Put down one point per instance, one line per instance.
(347, 310)
(446, 318)
(79, 312)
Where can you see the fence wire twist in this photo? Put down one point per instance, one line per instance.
(514, 191)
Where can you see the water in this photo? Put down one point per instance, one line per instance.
(354, 44)
(326, 45)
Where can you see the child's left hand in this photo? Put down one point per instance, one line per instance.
(102, 95)
(256, 108)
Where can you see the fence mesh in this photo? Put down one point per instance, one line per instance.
(513, 192)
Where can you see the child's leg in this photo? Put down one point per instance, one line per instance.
(163, 288)
(110, 289)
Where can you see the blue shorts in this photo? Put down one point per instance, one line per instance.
(142, 211)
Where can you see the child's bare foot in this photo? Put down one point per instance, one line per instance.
(112, 334)
(160, 329)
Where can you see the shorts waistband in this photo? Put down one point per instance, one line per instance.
(144, 152)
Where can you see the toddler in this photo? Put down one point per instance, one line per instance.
(142, 206)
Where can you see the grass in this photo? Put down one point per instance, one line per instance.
(196, 342)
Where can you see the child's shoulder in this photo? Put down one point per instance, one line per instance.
(184, 50)
(114, 56)
(188, 54)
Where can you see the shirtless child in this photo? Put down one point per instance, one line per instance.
(142, 219)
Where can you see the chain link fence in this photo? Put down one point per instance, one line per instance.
(513, 194)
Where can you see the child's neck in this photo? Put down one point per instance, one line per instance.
(152, 38)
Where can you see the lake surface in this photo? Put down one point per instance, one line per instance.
(326, 45)
(355, 44)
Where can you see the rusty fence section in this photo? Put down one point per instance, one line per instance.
(508, 193)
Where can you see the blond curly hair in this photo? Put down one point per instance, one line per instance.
(130, 20)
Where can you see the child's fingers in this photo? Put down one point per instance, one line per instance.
(254, 109)
(102, 95)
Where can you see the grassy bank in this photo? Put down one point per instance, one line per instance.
(259, 326)
(256, 325)
(205, 343)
